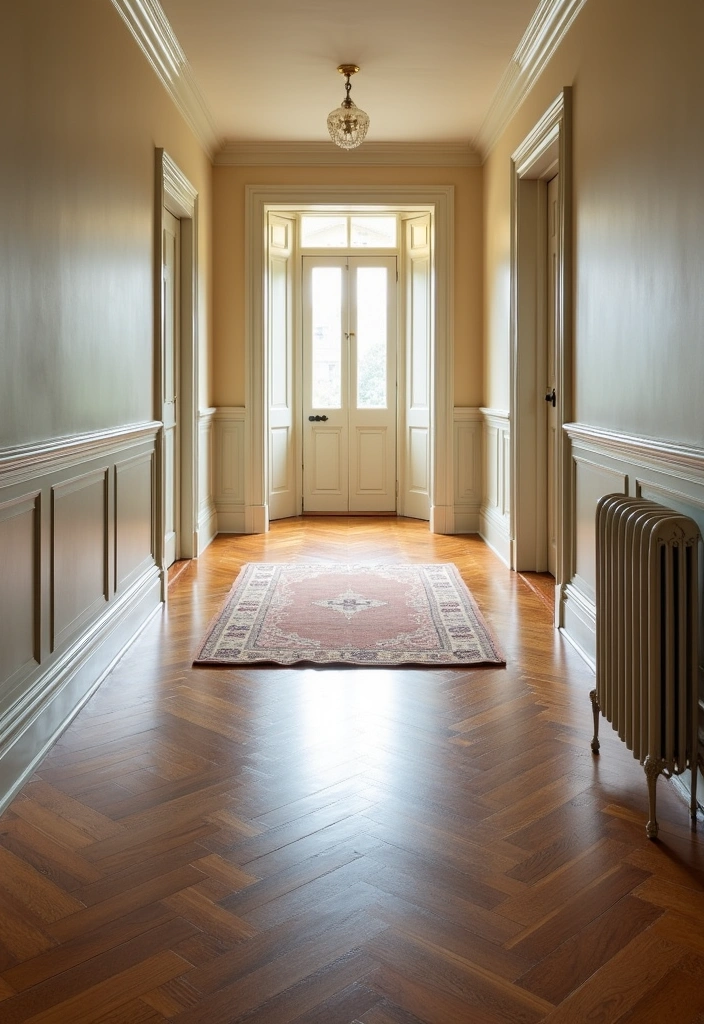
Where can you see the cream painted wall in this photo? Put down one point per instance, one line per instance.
(638, 81)
(228, 262)
(81, 116)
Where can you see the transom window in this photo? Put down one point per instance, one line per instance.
(354, 232)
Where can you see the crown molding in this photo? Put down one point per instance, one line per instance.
(156, 39)
(548, 27)
(370, 154)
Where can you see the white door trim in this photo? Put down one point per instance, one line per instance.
(544, 152)
(259, 199)
(175, 193)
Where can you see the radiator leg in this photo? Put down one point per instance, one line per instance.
(595, 711)
(652, 767)
(693, 795)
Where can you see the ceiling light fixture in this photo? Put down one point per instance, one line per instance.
(348, 124)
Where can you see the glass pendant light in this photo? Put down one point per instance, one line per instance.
(348, 124)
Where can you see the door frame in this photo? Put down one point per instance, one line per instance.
(544, 152)
(261, 199)
(175, 193)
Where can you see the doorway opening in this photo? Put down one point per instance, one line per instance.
(276, 396)
(541, 369)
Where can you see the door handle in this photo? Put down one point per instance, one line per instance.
(551, 397)
(317, 419)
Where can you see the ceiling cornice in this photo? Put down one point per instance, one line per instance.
(371, 154)
(548, 27)
(150, 27)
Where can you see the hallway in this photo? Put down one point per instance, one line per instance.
(281, 846)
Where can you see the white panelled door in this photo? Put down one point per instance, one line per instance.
(171, 277)
(349, 383)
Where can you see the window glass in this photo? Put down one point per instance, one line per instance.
(373, 232)
(327, 337)
(324, 232)
(371, 337)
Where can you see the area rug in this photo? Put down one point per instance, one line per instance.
(349, 614)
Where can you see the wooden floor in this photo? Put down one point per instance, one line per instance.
(325, 846)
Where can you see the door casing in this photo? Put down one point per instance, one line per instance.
(544, 152)
(439, 202)
(174, 192)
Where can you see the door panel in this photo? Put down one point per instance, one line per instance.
(415, 418)
(349, 340)
(282, 433)
(552, 319)
(171, 275)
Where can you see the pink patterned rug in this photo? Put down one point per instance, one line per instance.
(349, 614)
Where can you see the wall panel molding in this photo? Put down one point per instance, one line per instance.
(229, 469)
(606, 461)
(495, 519)
(207, 513)
(78, 579)
(467, 448)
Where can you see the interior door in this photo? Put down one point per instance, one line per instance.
(349, 383)
(171, 277)
(552, 319)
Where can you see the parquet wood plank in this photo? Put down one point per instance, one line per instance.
(346, 845)
(83, 947)
(437, 968)
(561, 972)
(107, 996)
(117, 906)
(61, 988)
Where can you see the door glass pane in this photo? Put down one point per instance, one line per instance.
(326, 325)
(373, 232)
(371, 337)
(324, 232)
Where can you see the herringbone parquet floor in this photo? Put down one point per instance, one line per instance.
(280, 846)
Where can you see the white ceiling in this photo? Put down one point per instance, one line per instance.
(266, 69)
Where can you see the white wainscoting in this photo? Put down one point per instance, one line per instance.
(228, 468)
(207, 513)
(495, 518)
(603, 462)
(78, 579)
(467, 469)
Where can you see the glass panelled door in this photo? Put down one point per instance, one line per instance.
(349, 394)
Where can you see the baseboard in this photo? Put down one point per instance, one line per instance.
(467, 520)
(231, 521)
(60, 694)
(442, 519)
(578, 622)
(493, 530)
